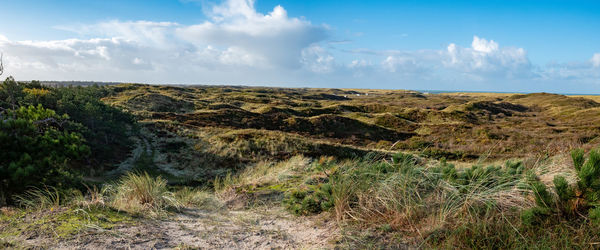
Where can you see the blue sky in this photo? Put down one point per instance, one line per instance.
(551, 46)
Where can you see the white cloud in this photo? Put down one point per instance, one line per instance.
(238, 45)
(72, 54)
(143, 32)
(588, 71)
(596, 60)
(358, 64)
(486, 58)
(235, 36)
(405, 64)
(482, 45)
(274, 36)
(317, 59)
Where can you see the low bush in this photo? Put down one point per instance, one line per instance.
(37, 150)
(52, 136)
(572, 199)
(312, 200)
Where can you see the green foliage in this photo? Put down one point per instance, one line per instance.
(312, 201)
(11, 94)
(543, 198)
(589, 177)
(49, 136)
(578, 199)
(535, 216)
(578, 158)
(37, 150)
(404, 159)
(404, 182)
(484, 176)
(563, 189)
(105, 128)
(594, 214)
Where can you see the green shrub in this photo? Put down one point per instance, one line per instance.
(535, 216)
(579, 199)
(565, 194)
(47, 135)
(594, 215)
(404, 159)
(578, 158)
(312, 201)
(486, 176)
(105, 128)
(543, 198)
(37, 150)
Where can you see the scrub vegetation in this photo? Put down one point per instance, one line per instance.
(254, 167)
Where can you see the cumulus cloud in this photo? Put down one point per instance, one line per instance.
(484, 60)
(274, 36)
(73, 54)
(482, 45)
(487, 58)
(236, 35)
(239, 45)
(317, 59)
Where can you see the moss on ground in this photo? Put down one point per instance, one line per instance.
(59, 224)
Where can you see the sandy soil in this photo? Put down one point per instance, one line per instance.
(257, 228)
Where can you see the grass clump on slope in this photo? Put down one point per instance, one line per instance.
(141, 192)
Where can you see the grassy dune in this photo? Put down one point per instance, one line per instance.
(364, 168)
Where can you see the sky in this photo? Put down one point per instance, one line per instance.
(507, 46)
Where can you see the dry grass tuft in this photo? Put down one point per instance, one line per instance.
(140, 193)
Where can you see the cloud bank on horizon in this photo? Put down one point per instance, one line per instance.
(239, 45)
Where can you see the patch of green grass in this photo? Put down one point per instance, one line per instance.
(501, 233)
(61, 223)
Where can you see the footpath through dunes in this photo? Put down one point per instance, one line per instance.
(256, 228)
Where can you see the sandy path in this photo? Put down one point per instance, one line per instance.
(259, 228)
